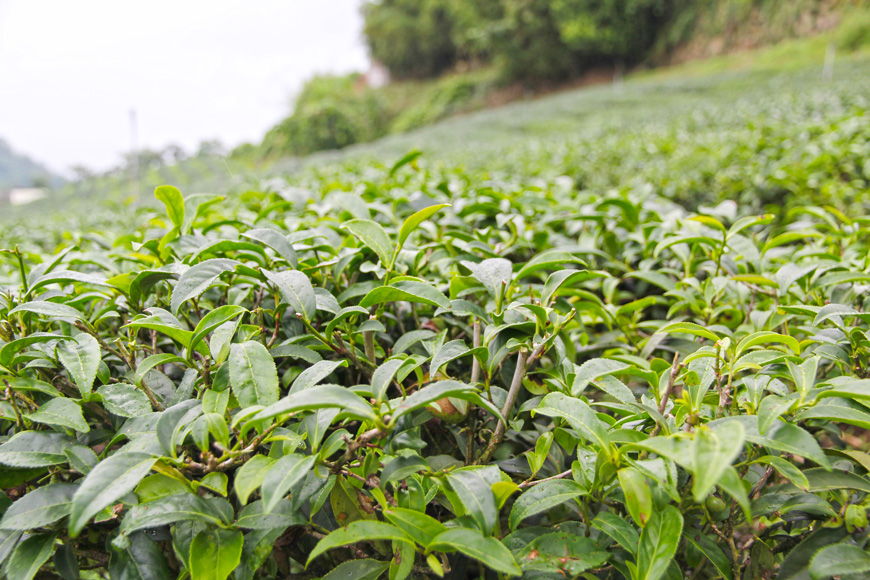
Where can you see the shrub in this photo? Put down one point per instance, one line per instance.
(330, 113)
(409, 371)
(412, 38)
(449, 97)
(854, 33)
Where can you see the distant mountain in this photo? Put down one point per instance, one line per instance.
(17, 170)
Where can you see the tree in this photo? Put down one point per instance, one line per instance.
(412, 38)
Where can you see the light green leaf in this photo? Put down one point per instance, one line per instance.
(215, 553)
(282, 476)
(823, 480)
(251, 475)
(714, 451)
(35, 449)
(81, 358)
(494, 273)
(275, 240)
(172, 508)
(50, 309)
(542, 497)
(109, 481)
(29, 556)
(638, 495)
(579, 415)
(124, 400)
(197, 280)
(322, 397)
(787, 470)
(658, 543)
(447, 353)
(62, 413)
(363, 569)
(253, 375)
(415, 219)
(372, 235)
(438, 390)
(406, 291)
(713, 553)
(765, 337)
(591, 370)
(40, 507)
(839, 560)
(383, 376)
(359, 531)
(475, 545)
(831, 310)
(174, 202)
(687, 328)
(314, 374)
(417, 525)
(619, 529)
(565, 278)
(475, 495)
(213, 320)
(296, 290)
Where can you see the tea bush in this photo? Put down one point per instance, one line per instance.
(413, 371)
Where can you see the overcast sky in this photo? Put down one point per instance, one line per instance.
(71, 70)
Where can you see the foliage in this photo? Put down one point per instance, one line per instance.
(854, 34)
(412, 38)
(412, 370)
(620, 29)
(450, 96)
(531, 39)
(330, 113)
(529, 46)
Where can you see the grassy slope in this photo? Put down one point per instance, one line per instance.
(647, 102)
(645, 98)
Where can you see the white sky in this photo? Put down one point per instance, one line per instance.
(71, 70)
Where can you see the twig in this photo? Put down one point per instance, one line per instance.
(675, 370)
(369, 340)
(528, 484)
(10, 396)
(275, 332)
(756, 491)
(475, 364)
(517, 381)
(354, 445)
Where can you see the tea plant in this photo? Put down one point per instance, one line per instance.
(449, 380)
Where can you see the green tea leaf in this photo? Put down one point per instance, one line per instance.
(62, 413)
(282, 476)
(372, 234)
(253, 375)
(214, 554)
(475, 545)
(542, 497)
(174, 202)
(658, 543)
(109, 481)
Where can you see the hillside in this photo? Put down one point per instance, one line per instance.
(17, 170)
(336, 112)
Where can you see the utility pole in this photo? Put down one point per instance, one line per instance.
(134, 145)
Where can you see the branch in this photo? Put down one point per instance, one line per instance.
(563, 475)
(475, 364)
(675, 370)
(516, 383)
